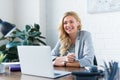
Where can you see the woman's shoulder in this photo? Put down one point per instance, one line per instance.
(84, 32)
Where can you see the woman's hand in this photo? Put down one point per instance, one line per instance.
(70, 57)
(59, 61)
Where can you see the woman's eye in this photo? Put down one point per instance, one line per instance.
(65, 23)
(68, 22)
(71, 21)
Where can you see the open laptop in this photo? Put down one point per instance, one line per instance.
(37, 60)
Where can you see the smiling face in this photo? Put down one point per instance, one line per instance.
(70, 25)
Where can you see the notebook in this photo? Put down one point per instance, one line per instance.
(37, 61)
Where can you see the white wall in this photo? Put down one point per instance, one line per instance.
(26, 12)
(6, 10)
(105, 27)
(22, 12)
(30, 12)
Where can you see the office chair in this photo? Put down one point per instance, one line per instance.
(95, 61)
(0, 20)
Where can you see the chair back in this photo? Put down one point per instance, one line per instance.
(95, 61)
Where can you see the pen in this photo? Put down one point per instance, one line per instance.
(106, 68)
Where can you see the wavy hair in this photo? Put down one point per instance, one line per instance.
(63, 36)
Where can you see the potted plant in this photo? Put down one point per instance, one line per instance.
(31, 35)
(2, 67)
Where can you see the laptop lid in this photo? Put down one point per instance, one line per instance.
(36, 60)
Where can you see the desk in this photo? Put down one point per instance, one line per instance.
(18, 76)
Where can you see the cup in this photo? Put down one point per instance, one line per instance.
(2, 68)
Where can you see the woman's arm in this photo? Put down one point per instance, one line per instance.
(73, 64)
(55, 51)
(66, 61)
(56, 58)
(59, 61)
(87, 50)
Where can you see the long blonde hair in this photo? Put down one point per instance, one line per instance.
(63, 36)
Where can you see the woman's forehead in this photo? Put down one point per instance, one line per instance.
(69, 18)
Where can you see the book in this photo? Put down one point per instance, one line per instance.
(14, 67)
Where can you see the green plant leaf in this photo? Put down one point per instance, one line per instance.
(31, 35)
(20, 35)
(13, 44)
(37, 26)
(2, 56)
(18, 30)
(27, 27)
(27, 42)
(34, 34)
(41, 37)
(3, 47)
(41, 41)
(12, 54)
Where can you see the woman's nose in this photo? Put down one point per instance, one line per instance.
(68, 24)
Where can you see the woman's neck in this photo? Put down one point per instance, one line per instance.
(73, 37)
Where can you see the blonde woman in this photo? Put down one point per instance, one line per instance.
(74, 48)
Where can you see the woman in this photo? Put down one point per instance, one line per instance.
(74, 48)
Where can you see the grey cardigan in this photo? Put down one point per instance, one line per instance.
(84, 51)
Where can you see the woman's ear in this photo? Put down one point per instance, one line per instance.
(78, 25)
(78, 22)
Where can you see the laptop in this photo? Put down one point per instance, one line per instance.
(37, 60)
